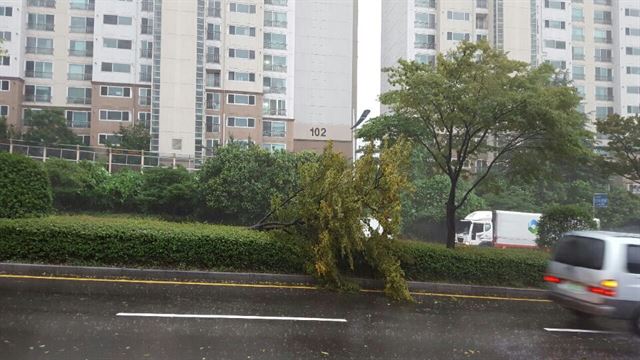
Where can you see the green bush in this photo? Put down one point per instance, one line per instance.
(561, 219)
(74, 185)
(168, 191)
(118, 241)
(24, 187)
(120, 192)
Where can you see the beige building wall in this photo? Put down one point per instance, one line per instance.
(517, 30)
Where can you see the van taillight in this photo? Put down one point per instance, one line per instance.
(601, 291)
(552, 279)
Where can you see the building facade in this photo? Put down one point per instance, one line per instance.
(198, 73)
(596, 42)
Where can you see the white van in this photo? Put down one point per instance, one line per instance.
(597, 273)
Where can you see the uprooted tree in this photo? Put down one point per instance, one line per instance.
(335, 202)
(476, 101)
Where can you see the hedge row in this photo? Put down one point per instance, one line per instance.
(111, 241)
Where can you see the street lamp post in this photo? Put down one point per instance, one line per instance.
(354, 140)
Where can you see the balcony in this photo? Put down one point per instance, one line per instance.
(604, 77)
(578, 57)
(275, 89)
(144, 101)
(274, 133)
(604, 97)
(212, 104)
(147, 5)
(77, 52)
(40, 27)
(213, 35)
(81, 29)
(603, 58)
(275, 23)
(38, 98)
(145, 77)
(603, 40)
(578, 76)
(146, 53)
(577, 37)
(275, 68)
(603, 21)
(424, 45)
(73, 76)
(146, 30)
(276, 2)
(275, 45)
(275, 112)
(42, 3)
(424, 24)
(78, 124)
(38, 74)
(215, 12)
(213, 58)
(482, 4)
(214, 128)
(79, 100)
(38, 50)
(213, 83)
(87, 5)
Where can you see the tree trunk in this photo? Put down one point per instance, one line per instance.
(451, 219)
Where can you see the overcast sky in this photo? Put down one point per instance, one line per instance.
(369, 25)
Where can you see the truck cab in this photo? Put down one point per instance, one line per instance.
(476, 229)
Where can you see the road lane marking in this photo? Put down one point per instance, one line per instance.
(581, 331)
(241, 317)
(262, 286)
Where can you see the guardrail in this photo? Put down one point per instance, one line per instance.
(114, 159)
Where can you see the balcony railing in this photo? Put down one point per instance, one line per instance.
(41, 27)
(73, 76)
(38, 74)
(144, 101)
(76, 52)
(275, 89)
(85, 100)
(214, 12)
(213, 35)
(276, 2)
(42, 3)
(274, 133)
(276, 68)
(578, 76)
(213, 58)
(275, 23)
(275, 112)
(424, 25)
(606, 97)
(578, 57)
(145, 77)
(38, 50)
(211, 104)
(81, 29)
(89, 5)
(604, 78)
(576, 37)
(146, 53)
(146, 30)
(425, 45)
(275, 45)
(37, 98)
(213, 128)
(78, 124)
(576, 17)
(213, 82)
(481, 4)
(603, 40)
(602, 21)
(147, 6)
(603, 58)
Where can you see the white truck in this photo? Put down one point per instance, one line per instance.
(500, 229)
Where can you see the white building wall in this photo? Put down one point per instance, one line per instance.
(627, 101)
(397, 35)
(16, 24)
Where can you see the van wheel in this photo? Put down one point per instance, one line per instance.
(635, 323)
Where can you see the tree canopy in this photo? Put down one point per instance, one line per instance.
(623, 144)
(48, 127)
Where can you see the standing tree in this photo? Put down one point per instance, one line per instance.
(477, 101)
(48, 127)
(135, 137)
(623, 145)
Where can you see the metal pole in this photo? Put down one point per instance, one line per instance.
(77, 153)
(10, 146)
(44, 154)
(110, 158)
(174, 160)
(142, 161)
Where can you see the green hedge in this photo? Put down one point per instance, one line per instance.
(119, 241)
(24, 187)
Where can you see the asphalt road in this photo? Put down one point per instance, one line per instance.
(57, 319)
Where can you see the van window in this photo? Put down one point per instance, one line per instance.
(633, 259)
(580, 251)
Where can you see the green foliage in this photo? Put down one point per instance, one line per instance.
(120, 191)
(623, 146)
(145, 243)
(334, 202)
(168, 191)
(477, 101)
(75, 185)
(239, 183)
(561, 219)
(135, 137)
(24, 188)
(4, 128)
(623, 210)
(48, 127)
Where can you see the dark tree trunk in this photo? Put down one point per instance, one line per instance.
(451, 219)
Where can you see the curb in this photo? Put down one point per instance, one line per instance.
(256, 278)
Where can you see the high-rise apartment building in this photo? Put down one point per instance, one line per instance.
(280, 73)
(597, 42)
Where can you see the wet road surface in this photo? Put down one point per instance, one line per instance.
(55, 319)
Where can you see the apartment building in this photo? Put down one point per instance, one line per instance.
(198, 73)
(597, 42)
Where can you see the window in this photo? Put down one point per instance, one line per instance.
(273, 107)
(117, 20)
(632, 31)
(147, 5)
(41, 22)
(431, 4)
(581, 252)
(275, 41)
(77, 95)
(603, 55)
(481, 4)
(602, 17)
(213, 32)
(604, 93)
(109, 139)
(580, 90)
(5, 60)
(4, 110)
(146, 49)
(116, 67)
(242, 54)
(176, 144)
(243, 122)
(632, 50)
(117, 91)
(425, 41)
(457, 36)
(550, 4)
(274, 128)
(84, 139)
(275, 63)
(212, 124)
(240, 99)
(555, 44)
(604, 74)
(144, 96)
(211, 145)
(4, 85)
(242, 8)
(5, 36)
(280, 2)
(578, 53)
(633, 110)
(633, 90)
(146, 26)
(39, 69)
(577, 13)
(6, 11)
(554, 24)
(117, 43)
(80, 48)
(578, 72)
(603, 111)
(273, 85)
(425, 21)
(81, 25)
(213, 101)
(37, 93)
(274, 147)
(425, 59)
(242, 30)
(39, 46)
(42, 3)
(633, 70)
(602, 36)
(633, 259)
(78, 119)
(275, 19)
(455, 15)
(602, 2)
(632, 12)
(145, 73)
(80, 72)
(242, 76)
(213, 55)
(577, 34)
(214, 9)
(114, 115)
(82, 4)
(558, 64)
(213, 78)
(144, 119)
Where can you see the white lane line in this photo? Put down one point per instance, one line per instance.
(580, 331)
(197, 316)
